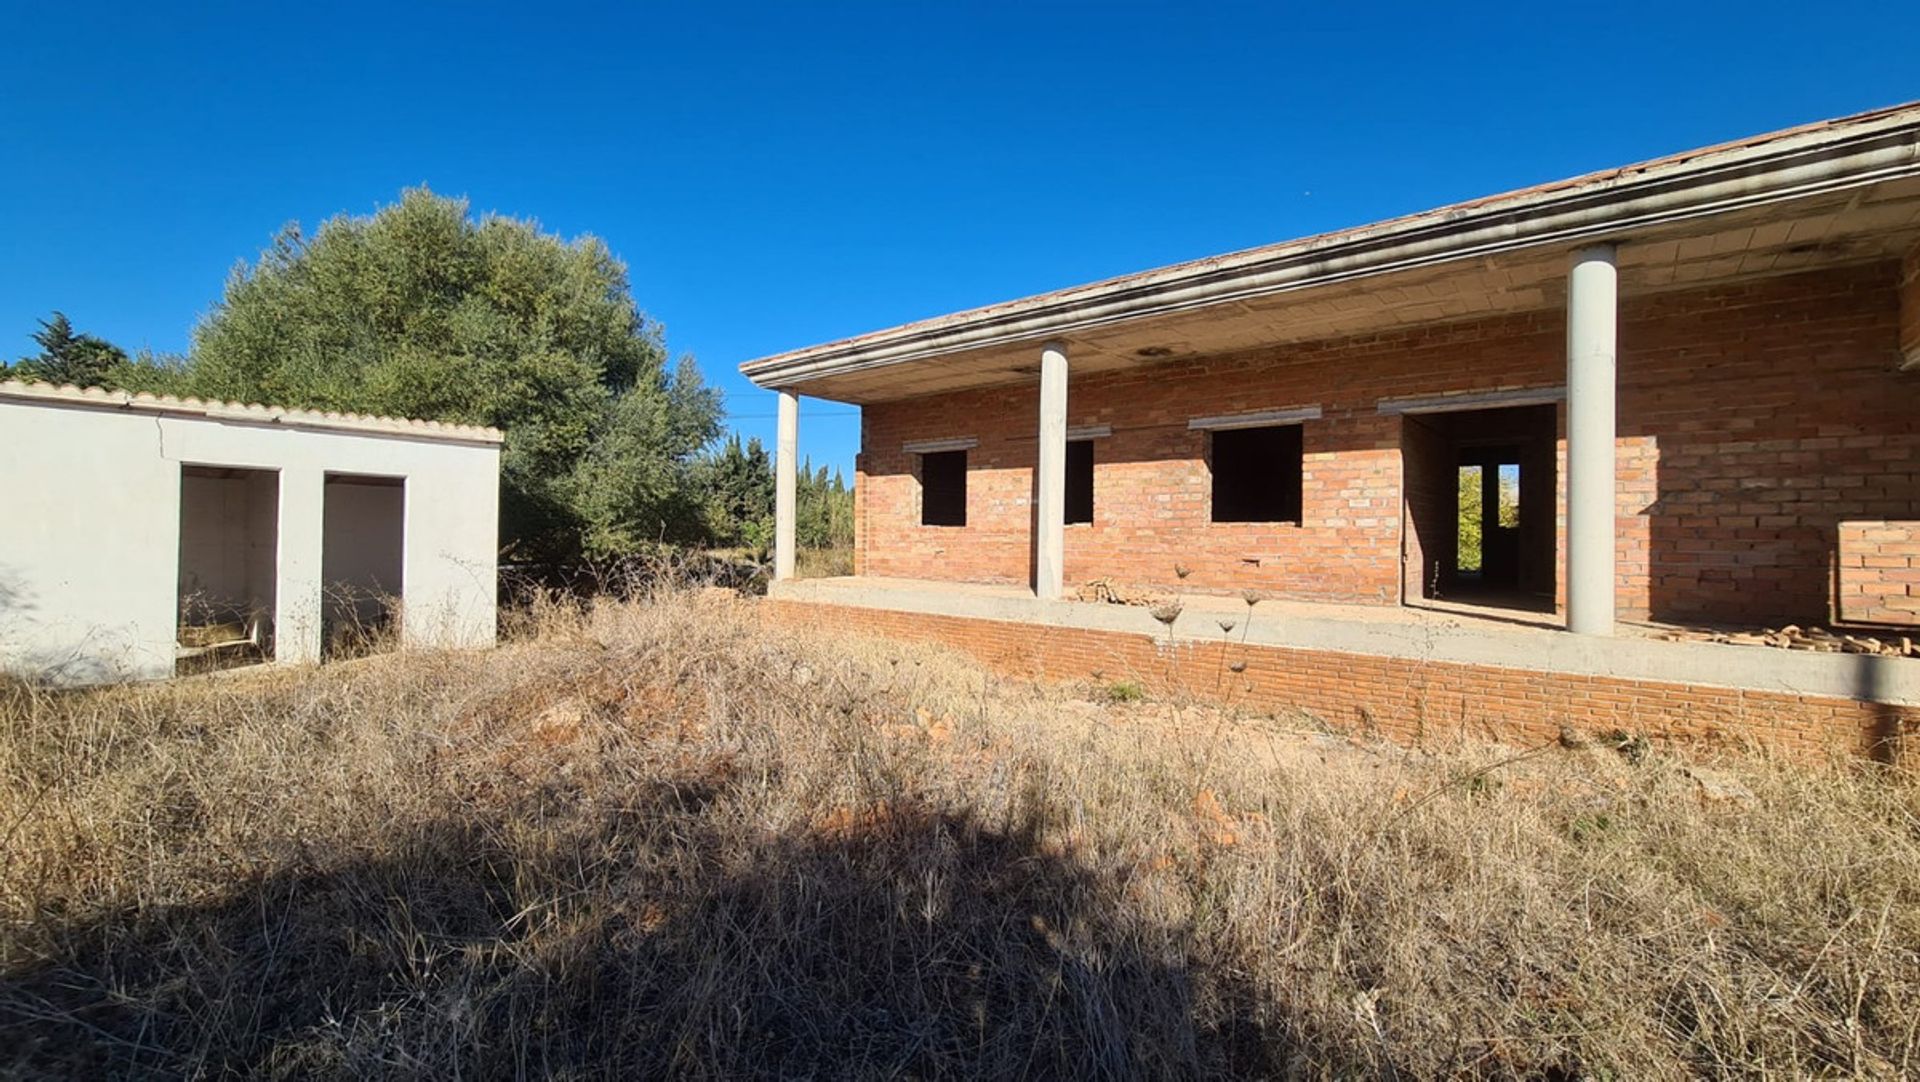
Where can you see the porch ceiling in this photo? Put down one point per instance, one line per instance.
(1466, 262)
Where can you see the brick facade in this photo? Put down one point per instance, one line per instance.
(1410, 701)
(1753, 418)
(1878, 573)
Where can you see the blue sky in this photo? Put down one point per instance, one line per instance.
(784, 175)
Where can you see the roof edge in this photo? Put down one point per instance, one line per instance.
(245, 413)
(1830, 155)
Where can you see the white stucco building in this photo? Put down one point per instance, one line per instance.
(138, 530)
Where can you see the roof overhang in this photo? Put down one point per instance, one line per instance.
(1842, 191)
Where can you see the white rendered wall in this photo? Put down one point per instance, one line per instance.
(90, 528)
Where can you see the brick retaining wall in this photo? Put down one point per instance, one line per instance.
(1411, 701)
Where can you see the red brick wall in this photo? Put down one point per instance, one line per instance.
(1406, 700)
(1879, 573)
(1432, 511)
(1752, 419)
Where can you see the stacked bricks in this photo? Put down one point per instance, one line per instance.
(1878, 573)
(1753, 418)
(1410, 701)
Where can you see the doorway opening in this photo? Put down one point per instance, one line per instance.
(362, 564)
(1480, 494)
(229, 567)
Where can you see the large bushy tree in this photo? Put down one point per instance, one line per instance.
(422, 310)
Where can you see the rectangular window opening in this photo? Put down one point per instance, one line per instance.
(943, 488)
(1466, 552)
(1079, 482)
(1257, 474)
(1509, 495)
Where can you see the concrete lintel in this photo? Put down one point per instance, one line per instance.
(1261, 419)
(1432, 637)
(934, 447)
(1454, 403)
(1089, 432)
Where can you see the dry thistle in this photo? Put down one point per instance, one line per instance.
(1227, 626)
(1252, 597)
(1237, 666)
(1166, 612)
(1182, 570)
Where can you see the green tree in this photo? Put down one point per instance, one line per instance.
(67, 356)
(154, 373)
(738, 480)
(1468, 551)
(823, 509)
(420, 310)
(1472, 522)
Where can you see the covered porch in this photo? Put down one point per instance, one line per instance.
(1012, 453)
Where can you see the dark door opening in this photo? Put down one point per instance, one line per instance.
(362, 564)
(229, 570)
(1480, 494)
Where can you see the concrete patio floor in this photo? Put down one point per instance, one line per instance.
(1437, 631)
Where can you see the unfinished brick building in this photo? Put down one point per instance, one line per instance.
(1685, 392)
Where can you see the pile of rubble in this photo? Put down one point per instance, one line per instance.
(1105, 591)
(1817, 639)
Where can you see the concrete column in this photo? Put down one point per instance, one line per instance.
(1050, 531)
(296, 594)
(786, 452)
(1592, 331)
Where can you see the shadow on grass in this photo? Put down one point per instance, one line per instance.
(633, 942)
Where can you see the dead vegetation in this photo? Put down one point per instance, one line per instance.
(648, 839)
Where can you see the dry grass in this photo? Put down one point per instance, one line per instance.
(646, 839)
(823, 563)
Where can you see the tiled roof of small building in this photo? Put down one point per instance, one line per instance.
(245, 413)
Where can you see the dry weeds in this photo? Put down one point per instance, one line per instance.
(647, 838)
